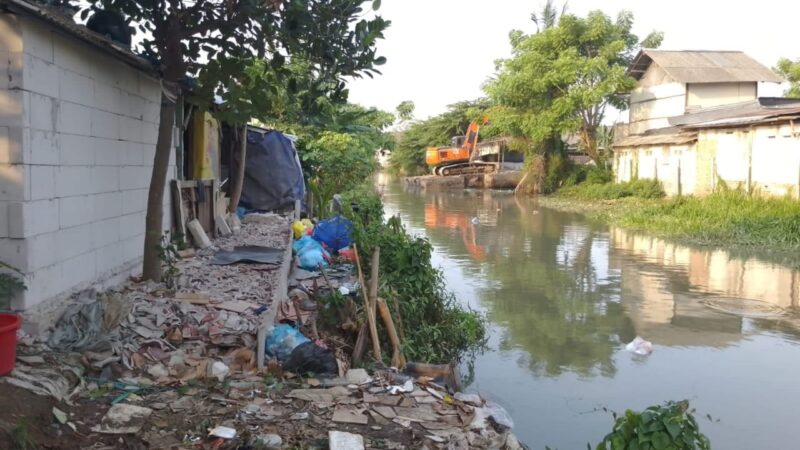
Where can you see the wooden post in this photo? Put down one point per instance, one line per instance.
(373, 277)
(398, 360)
(238, 181)
(373, 330)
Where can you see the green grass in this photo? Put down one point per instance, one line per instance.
(646, 189)
(726, 218)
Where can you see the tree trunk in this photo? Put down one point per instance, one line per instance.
(151, 264)
(589, 143)
(238, 181)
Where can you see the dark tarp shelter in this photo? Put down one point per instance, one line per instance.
(273, 176)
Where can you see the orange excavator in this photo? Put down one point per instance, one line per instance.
(460, 158)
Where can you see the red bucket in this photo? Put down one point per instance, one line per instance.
(9, 324)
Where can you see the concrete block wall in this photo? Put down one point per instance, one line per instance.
(77, 138)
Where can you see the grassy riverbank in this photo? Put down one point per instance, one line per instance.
(725, 218)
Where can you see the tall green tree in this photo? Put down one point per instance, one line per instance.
(548, 16)
(791, 71)
(564, 78)
(217, 40)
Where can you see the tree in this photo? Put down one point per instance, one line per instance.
(216, 40)
(548, 16)
(562, 79)
(405, 112)
(791, 71)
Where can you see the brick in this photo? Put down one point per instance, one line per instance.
(40, 76)
(32, 218)
(149, 133)
(130, 225)
(44, 112)
(14, 252)
(43, 182)
(43, 284)
(149, 153)
(11, 70)
(132, 154)
(133, 248)
(75, 119)
(107, 98)
(134, 177)
(149, 88)
(105, 232)
(109, 258)
(133, 105)
(105, 179)
(76, 150)
(74, 211)
(151, 111)
(38, 40)
(11, 30)
(130, 129)
(107, 205)
(75, 57)
(134, 201)
(105, 124)
(11, 151)
(42, 251)
(4, 219)
(74, 180)
(14, 182)
(75, 88)
(121, 75)
(71, 242)
(13, 104)
(42, 147)
(77, 270)
(107, 151)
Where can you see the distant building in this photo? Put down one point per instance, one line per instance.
(696, 121)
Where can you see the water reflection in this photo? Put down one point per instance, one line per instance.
(564, 295)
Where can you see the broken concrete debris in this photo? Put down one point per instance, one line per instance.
(178, 369)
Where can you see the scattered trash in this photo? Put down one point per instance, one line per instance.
(248, 254)
(310, 253)
(299, 416)
(470, 399)
(341, 440)
(123, 418)
(199, 235)
(358, 376)
(334, 232)
(267, 441)
(309, 357)
(223, 432)
(498, 416)
(60, 415)
(30, 359)
(219, 370)
(283, 340)
(408, 386)
(639, 346)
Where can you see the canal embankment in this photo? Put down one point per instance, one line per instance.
(508, 179)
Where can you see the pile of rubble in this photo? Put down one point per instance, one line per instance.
(175, 369)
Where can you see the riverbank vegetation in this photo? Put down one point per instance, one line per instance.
(434, 326)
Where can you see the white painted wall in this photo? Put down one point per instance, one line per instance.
(656, 98)
(715, 94)
(77, 138)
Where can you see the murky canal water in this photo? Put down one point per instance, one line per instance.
(564, 295)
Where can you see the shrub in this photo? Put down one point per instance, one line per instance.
(645, 189)
(668, 426)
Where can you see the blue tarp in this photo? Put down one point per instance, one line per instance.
(273, 175)
(335, 232)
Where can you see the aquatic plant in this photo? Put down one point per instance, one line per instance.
(667, 426)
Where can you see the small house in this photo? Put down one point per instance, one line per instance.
(696, 122)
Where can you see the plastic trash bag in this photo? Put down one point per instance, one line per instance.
(309, 357)
(283, 340)
(640, 346)
(310, 253)
(336, 232)
(499, 417)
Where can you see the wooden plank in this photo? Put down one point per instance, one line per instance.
(194, 298)
(177, 209)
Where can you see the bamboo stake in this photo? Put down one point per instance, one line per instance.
(325, 276)
(373, 330)
(398, 359)
(238, 181)
(373, 277)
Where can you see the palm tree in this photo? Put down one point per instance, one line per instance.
(548, 16)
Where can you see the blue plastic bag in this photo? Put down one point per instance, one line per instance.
(282, 340)
(310, 253)
(336, 232)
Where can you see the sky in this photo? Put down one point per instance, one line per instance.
(441, 51)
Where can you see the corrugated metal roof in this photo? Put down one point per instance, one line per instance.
(662, 136)
(67, 25)
(756, 111)
(704, 66)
